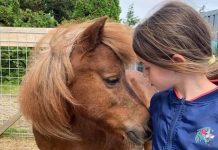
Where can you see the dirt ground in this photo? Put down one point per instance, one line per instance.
(19, 136)
(17, 144)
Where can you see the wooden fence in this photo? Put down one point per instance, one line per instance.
(17, 41)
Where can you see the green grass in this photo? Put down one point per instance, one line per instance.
(9, 89)
(12, 131)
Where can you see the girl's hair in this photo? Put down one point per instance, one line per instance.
(176, 28)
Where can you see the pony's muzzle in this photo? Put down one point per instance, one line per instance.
(138, 137)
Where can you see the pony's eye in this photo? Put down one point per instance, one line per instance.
(112, 80)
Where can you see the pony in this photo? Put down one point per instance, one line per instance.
(75, 91)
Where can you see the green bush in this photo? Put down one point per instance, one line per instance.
(95, 8)
(13, 64)
(12, 15)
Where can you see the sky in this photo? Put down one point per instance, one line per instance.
(143, 7)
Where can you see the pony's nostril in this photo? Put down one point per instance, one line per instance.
(147, 125)
(147, 129)
(147, 135)
(136, 136)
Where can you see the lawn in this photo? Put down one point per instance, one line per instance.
(9, 89)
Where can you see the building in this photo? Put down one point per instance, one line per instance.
(212, 18)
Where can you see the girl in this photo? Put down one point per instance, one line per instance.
(174, 45)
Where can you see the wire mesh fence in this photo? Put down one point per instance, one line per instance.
(15, 46)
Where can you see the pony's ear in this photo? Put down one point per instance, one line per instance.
(91, 36)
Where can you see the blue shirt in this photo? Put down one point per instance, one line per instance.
(178, 124)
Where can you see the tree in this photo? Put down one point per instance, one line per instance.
(12, 15)
(96, 8)
(60, 9)
(65, 10)
(202, 9)
(131, 20)
(9, 11)
(36, 19)
(34, 5)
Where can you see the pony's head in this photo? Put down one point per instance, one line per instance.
(77, 84)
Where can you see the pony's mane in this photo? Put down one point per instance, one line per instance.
(44, 93)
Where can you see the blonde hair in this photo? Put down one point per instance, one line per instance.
(175, 28)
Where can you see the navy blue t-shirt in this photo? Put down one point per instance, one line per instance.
(178, 124)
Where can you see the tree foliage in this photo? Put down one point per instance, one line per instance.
(48, 13)
(12, 15)
(74, 9)
(60, 9)
(9, 12)
(96, 8)
(131, 19)
(13, 64)
(34, 5)
(36, 19)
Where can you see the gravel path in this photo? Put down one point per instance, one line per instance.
(19, 136)
(17, 144)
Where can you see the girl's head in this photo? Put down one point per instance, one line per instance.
(175, 38)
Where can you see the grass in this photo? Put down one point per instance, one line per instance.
(9, 89)
(14, 131)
